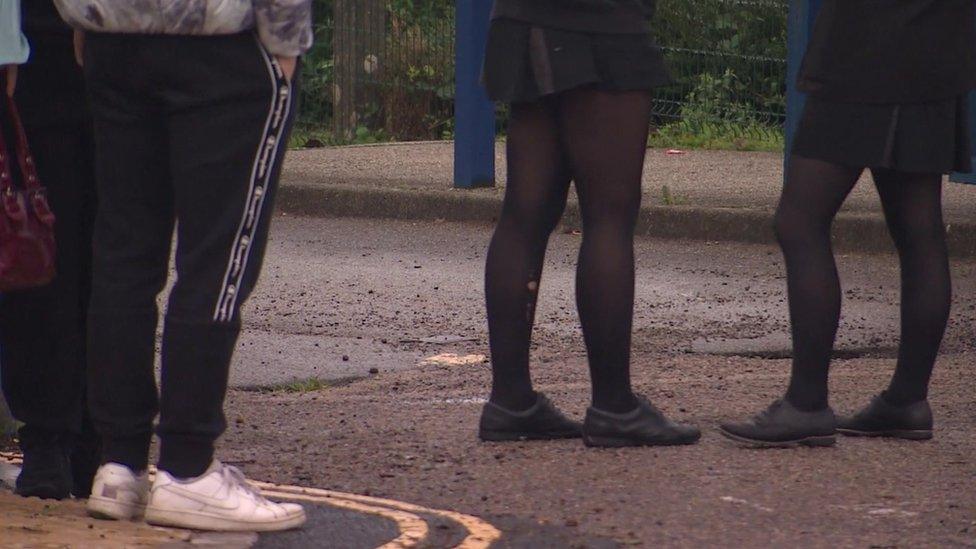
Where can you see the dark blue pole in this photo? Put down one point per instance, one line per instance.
(969, 177)
(474, 114)
(802, 15)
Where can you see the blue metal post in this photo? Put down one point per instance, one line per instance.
(802, 15)
(474, 114)
(969, 177)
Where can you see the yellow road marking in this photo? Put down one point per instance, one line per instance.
(413, 529)
(481, 534)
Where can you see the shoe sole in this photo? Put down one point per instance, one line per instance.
(904, 434)
(217, 523)
(513, 436)
(619, 442)
(814, 442)
(110, 509)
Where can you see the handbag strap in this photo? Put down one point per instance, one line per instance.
(6, 176)
(22, 149)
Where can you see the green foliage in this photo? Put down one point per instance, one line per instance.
(727, 58)
(417, 80)
(410, 95)
(314, 136)
(317, 69)
(422, 12)
(714, 115)
(722, 140)
(746, 37)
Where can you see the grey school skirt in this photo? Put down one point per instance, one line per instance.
(920, 138)
(524, 62)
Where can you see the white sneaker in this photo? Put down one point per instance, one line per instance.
(118, 493)
(219, 500)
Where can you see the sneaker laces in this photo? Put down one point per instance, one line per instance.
(236, 477)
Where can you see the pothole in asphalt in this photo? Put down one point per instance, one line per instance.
(779, 346)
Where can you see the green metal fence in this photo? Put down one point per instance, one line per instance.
(383, 69)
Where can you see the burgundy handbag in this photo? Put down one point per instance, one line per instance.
(27, 247)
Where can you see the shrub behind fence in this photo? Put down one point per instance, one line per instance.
(384, 69)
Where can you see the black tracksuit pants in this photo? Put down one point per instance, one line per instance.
(190, 132)
(42, 331)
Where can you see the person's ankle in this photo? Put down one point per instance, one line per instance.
(616, 404)
(514, 401)
(806, 403)
(901, 399)
(131, 452)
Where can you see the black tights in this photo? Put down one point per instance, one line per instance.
(912, 203)
(597, 139)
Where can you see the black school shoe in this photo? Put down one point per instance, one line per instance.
(46, 473)
(783, 426)
(540, 422)
(882, 419)
(644, 426)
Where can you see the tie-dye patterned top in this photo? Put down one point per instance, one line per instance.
(285, 26)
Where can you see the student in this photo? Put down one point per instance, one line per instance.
(192, 104)
(887, 84)
(43, 330)
(577, 76)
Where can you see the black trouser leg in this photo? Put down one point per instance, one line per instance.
(43, 350)
(133, 230)
(133, 233)
(42, 331)
(217, 112)
(226, 161)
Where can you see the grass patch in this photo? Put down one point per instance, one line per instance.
(310, 385)
(668, 198)
(718, 137)
(314, 136)
(309, 137)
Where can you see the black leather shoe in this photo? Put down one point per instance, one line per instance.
(644, 426)
(784, 426)
(881, 419)
(46, 473)
(540, 422)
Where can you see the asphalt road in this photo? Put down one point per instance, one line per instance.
(710, 335)
(340, 297)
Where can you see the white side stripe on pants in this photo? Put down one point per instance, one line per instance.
(261, 172)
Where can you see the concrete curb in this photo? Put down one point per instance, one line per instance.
(852, 232)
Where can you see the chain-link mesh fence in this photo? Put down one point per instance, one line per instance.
(384, 69)
(728, 61)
